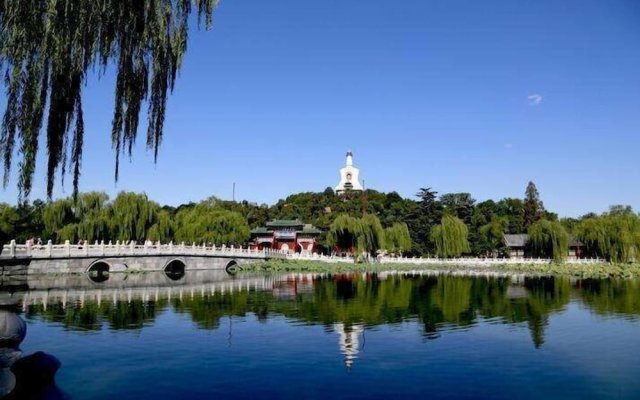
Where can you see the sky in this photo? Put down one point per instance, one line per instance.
(456, 95)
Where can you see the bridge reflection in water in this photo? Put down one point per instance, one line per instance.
(347, 305)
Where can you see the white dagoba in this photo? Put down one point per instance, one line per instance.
(349, 177)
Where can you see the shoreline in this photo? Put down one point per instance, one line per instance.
(584, 271)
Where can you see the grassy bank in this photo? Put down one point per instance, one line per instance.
(599, 271)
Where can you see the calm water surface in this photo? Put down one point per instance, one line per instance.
(336, 336)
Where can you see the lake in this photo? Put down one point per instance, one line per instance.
(385, 335)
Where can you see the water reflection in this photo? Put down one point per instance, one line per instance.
(346, 304)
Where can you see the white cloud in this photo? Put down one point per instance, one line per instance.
(534, 99)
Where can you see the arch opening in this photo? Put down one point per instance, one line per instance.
(174, 270)
(99, 271)
(232, 267)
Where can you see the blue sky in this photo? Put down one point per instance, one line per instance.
(474, 96)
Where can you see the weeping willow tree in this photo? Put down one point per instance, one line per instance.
(48, 47)
(162, 229)
(549, 239)
(83, 217)
(614, 236)
(398, 238)
(450, 237)
(492, 236)
(131, 215)
(210, 224)
(371, 237)
(344, 232)
(356, 235)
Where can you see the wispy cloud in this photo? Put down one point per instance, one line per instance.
(534, 99)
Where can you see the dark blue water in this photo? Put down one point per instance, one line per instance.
(342, 337)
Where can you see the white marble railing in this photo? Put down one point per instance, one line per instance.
(68, 250)
(476, 261)
(470, 261)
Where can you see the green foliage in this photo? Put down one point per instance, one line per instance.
(459, 204)
(423, 218)
(48, 48)
(162, 229)
(357, 235)
(8, 221)
(513, 209)
(208, 223)
(533, 207)
(131, 215)
(397, 238)
(344, 232)
(84, 217)
(491, 240)
(450, 237)
(614, 235)
(371, 237)
(549, 239)
(350, 223)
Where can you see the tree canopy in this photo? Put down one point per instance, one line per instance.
(385, 221)
(614, 235)
(549, 239)
(450, 237)
(533, 207)
(48, 48)
(397, 238)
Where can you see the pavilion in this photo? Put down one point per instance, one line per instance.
(286, 235)
(518, 246)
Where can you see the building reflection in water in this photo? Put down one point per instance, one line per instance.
(349, 341)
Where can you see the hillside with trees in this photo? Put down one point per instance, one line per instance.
(448, 225)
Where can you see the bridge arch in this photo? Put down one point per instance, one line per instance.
(175, 269)
(98, 271)
(232, 267)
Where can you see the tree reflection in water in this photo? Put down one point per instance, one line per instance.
(439, 303)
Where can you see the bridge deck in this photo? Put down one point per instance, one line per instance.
(118, 250)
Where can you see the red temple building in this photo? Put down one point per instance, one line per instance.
(286, 235)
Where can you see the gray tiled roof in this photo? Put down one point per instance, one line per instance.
(282, 223)
(521, 240)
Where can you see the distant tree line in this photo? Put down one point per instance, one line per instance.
(448, 225)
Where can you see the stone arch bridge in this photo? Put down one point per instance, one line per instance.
(99, 258)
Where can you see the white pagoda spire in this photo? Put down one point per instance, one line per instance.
(349, 177)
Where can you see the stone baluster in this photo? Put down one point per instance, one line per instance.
(117, 247)
(67, 248)
(12, 248)
(49, 248)
(102, 247)
(86, 248)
